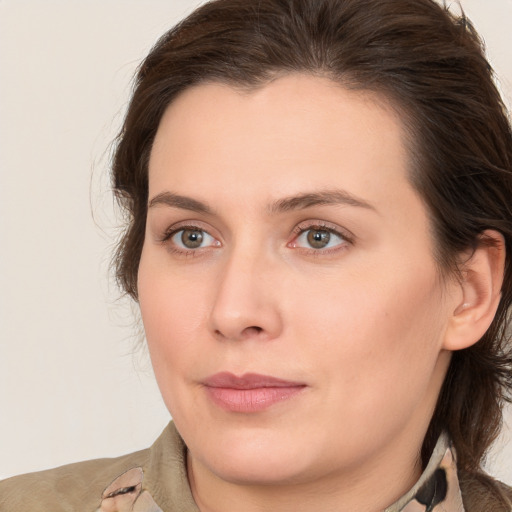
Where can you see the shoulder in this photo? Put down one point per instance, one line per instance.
(150, 480)
(481, 493)
(78, 486)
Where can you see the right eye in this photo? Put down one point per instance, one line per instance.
(191, 238)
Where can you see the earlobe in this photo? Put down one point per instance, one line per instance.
(480, 283)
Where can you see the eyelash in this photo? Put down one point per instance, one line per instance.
(174, 230)
(299, 230)
(346, 237)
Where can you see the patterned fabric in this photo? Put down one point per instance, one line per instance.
(125, 494)
(436, 491)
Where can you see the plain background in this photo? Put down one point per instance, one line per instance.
(75, 382)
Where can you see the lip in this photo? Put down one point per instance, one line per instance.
(250, 392)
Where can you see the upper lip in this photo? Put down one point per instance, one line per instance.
(247, 381)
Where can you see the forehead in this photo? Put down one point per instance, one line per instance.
(295, 132)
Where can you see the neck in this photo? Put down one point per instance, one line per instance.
(370, 487)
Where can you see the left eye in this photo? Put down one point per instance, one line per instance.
(192, 238)
(318, 238)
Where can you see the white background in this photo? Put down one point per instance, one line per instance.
(75, 382)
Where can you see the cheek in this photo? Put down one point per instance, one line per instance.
(173, 310)
(375, 336)
(379, 311)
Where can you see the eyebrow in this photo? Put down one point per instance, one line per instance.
(286, 204)
(177, 201)
(321, 198)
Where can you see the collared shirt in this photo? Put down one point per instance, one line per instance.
(437, 490)
(155, 480)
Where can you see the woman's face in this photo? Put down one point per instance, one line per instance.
(292, 306)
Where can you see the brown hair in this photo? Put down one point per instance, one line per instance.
(430, 65)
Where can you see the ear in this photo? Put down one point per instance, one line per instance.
(479, 292)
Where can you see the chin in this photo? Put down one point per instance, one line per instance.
(254, 460)
(259, 468)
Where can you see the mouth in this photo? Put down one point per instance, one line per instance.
(250, 392)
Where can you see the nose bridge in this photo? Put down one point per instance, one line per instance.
(245, 304)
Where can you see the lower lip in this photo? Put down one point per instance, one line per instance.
(251, 400)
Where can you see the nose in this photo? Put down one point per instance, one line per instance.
(246, 303)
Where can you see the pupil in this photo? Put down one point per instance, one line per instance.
(192, 239)
(318, 239)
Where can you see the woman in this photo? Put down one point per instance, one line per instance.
(319, 241)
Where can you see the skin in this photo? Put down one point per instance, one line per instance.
(364, 323)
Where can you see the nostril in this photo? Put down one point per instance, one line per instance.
(251, 331)
(247, 332)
